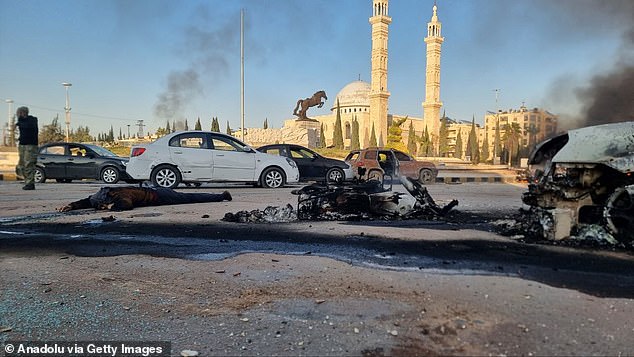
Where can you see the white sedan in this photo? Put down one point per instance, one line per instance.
(202, 156)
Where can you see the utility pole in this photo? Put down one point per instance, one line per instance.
(128, 131)
(67, 110)
(242, 72)
(11, 122)
(140, 124)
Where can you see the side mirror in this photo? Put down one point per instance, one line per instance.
(247, 148)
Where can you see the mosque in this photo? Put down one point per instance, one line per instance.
(367, 103)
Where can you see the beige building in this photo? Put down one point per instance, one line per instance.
(535, 124)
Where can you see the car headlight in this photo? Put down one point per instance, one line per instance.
(291, 162)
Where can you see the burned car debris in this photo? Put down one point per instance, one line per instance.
(351, 201)
(584, 177)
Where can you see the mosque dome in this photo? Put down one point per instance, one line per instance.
(354, 94)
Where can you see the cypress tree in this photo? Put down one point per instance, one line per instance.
(411, 139)
(459, 149)
(484, 153)
(228, 128)
(373, 137)
(266, 123)
(197, 126)
(473, 144)
(497, 141)
(186, 126)
(354, 141)
(337, 139)
(173, 126)
(167, 127)
(443, 145)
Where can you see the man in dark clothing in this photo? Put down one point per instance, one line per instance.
(27, 147)
(126, 198)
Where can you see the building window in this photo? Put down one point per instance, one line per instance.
(348, 131)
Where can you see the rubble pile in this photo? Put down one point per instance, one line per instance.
(270, 214)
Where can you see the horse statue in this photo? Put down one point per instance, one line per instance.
(306, 103)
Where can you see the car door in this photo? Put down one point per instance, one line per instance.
(306, 163)
(406, 165)
(79, 164)
(53, 159)
(192, 154)
(231, 162)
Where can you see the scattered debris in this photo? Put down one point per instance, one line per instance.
(270, 214)
(5, 329)
(189, 353)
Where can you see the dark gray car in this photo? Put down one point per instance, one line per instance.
(65, 162)
(311, 165)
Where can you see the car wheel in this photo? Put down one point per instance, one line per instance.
(335, 175)
(166, 176)
(272, 178)
(426, 176)
(110, 175)
(375, 175)
(39, 175)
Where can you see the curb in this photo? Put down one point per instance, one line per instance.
(488, 179)
(7, 177)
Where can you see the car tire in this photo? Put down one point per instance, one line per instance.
(426, 176)
(109, 175)
(273, 177)
(375, 175)
(335, 175)
(165, 176)
(39, 175)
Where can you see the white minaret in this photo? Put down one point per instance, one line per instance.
(432, 103)
(378, 84)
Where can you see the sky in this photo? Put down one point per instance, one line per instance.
(160, 60)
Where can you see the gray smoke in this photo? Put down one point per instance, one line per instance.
(608, 97)
(209, 48)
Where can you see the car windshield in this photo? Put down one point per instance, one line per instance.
(102, 151)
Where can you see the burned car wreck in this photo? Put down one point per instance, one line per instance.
(582, 179)
(363, 200)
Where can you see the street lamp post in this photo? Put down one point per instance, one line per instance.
(11, 121)
(67, 110)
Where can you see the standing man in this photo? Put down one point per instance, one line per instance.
(27, 147)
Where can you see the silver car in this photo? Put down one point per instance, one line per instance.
(202, 156)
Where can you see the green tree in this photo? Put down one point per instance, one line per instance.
(110, 138)
(443, 145)
(228, 128)
(162, 132)
(425, 144)
(484, 153)
(472, 142)
(354, 140)
(82, 134)
(198, 126)
(458, 150)
(497, 141)
(395, 135)
(51, 132)
(120, 134)
(322, 136)
(373, 137)
(173, 126)
(266, 123)
(411, 139)
(337, 138)
(167, 128)
(215, 126)
(186, 125)
(512, 135)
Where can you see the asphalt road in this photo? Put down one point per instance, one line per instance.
(585, 292)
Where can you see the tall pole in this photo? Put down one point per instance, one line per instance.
(11, 122)
(128, 131)
(497, 126)
(67, 110)
(242, 72)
